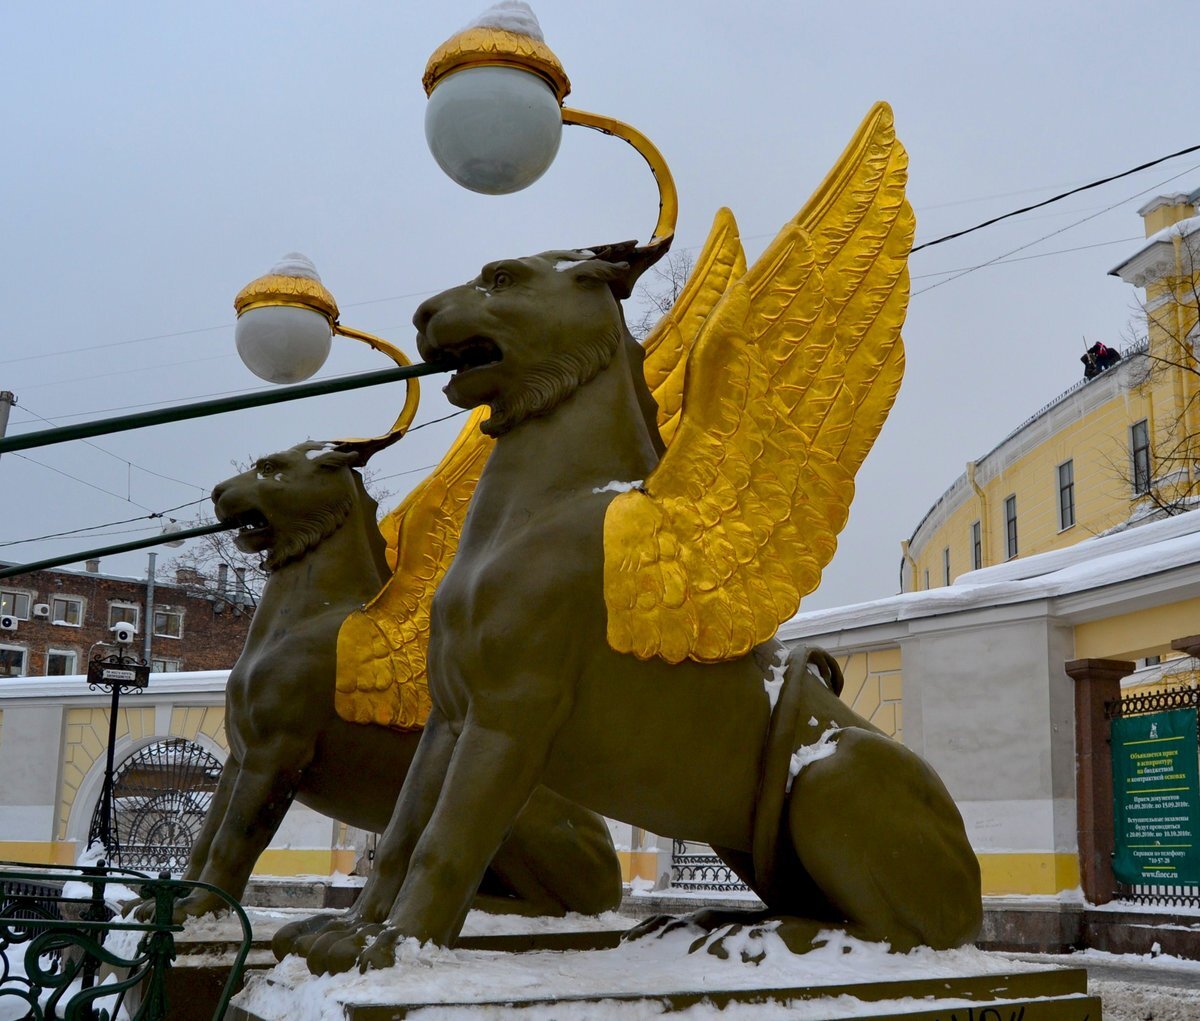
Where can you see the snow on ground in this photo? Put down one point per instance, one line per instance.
(1126, 1001)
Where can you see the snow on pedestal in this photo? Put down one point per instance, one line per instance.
(433, 982)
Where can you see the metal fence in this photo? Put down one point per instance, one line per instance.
(694, 866)
(1139, 705)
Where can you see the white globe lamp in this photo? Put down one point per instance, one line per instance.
(285, 322)
(493, 130)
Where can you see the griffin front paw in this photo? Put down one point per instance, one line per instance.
(380, 952)
(338, 950)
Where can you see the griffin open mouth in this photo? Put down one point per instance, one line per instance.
(250, 523)
(472, 353)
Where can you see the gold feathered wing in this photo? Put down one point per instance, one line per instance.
(381, 675)
(720, 262)
(381, 648)
(785, 390)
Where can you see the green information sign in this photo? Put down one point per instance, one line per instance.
(1156, 793)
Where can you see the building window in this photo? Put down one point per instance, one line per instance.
(12, 661)
(14, 604)
(168, 623)
(166, 666)
(66, 610)
(1066, 495)
(1010, 524)
(946, 566)
(60, 663)
(977, 545)
(1139, 447)
(124, 613)
(927, 579)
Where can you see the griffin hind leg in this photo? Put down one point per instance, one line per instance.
(877, 831)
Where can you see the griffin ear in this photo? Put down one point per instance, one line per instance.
(344, 455)
(631, 261)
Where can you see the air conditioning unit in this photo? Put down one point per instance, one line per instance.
(8, 622)
(41, 609)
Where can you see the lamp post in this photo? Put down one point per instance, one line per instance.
(115, 673)
(495, 113)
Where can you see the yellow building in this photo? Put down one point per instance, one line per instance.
(1114, 449)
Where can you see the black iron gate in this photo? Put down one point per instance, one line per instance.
(1141, 705)
(161, 794)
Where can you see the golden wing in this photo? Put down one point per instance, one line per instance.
(786, 389)
(381, 648)
(381, 676)
(720, 262)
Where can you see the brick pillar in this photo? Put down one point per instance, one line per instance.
(1096, 681)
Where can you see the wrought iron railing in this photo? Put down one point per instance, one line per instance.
(1185, 697)
(65, 954)
(696, 867)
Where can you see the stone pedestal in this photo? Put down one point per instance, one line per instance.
(842, 977)
(1059, 995)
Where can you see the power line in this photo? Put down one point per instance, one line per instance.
(1061, 230)
(49, 421)
(124, 373)
(107, 524)
(1026, 258)
(84, 482)
(192, 503)
(1058, 198)
(189, 333)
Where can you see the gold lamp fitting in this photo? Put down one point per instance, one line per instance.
(294, 292)
(496, 47)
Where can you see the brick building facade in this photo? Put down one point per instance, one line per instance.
(51, 622)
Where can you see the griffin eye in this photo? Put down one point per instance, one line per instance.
(502, 278)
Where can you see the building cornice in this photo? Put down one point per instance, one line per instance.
(1151, 263)
(175, 684)
(1177, 199)
(1136, 569)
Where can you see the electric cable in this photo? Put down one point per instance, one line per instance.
(1056, 198)
(95, 446)
(1061, 230)
(106, 524)
(76, 478)
(1026, 258)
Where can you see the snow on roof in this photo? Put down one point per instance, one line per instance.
(1183, 228)
(1092, 564)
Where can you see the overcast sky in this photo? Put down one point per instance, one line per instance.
(160, 155)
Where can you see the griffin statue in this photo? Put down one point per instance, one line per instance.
(586, 591)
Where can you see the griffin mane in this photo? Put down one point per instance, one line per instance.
(552, 382)
(306, 533)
